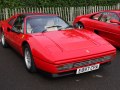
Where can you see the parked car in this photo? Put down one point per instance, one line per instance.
(49, 43)
(104, 23)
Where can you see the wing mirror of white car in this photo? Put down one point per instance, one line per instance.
(114, 21)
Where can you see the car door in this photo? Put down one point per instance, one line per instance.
(8, 33)
(92, 22)
(18, 32)
(101, 25)
(106, 29)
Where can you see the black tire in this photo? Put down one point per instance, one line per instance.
(96, 31)
(3, 41)
(28, 59)
(79, 25)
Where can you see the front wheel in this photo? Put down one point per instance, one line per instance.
(79, 25)
(29, 62)
(3, 41)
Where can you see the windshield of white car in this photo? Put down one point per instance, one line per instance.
(35, 24)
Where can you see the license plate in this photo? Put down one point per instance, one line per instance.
(87, 68)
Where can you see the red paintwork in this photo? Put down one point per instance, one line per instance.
(55, 48)
(109, 31)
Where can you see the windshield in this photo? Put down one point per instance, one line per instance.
(35, 24)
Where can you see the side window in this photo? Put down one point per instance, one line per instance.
(19, 23)
(107, 16)
(114, 16)
(96, 16)
(104, 17)
(11, 21)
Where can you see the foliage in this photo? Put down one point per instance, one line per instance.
(53, 3)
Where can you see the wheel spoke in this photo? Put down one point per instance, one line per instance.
(3, 39)
(27, 58)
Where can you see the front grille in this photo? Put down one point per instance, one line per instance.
(84, 63)
(89, 62)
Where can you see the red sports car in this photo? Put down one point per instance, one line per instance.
(104, 23)
(49, 43)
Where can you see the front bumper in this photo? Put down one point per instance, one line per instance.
(53, 68)
(74, 71)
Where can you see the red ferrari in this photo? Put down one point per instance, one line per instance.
(49, 43)
(104, 23)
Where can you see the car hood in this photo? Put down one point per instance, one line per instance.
(70, 40)
(61, 45)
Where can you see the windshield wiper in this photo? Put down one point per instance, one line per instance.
(70, 26)
(53, 26)
(59, 27)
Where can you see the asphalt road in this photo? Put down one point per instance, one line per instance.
(13, 76)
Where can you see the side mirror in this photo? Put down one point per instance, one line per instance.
(114, 21)
(14, 29)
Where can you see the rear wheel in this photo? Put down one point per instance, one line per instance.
(3, 41)
(29, 62)
(79, 25)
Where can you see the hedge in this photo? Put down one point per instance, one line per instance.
(54, 3)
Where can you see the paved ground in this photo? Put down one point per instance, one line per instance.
(13, 76)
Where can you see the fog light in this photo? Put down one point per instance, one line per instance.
(65, 67)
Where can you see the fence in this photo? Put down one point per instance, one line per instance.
(67, 13)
